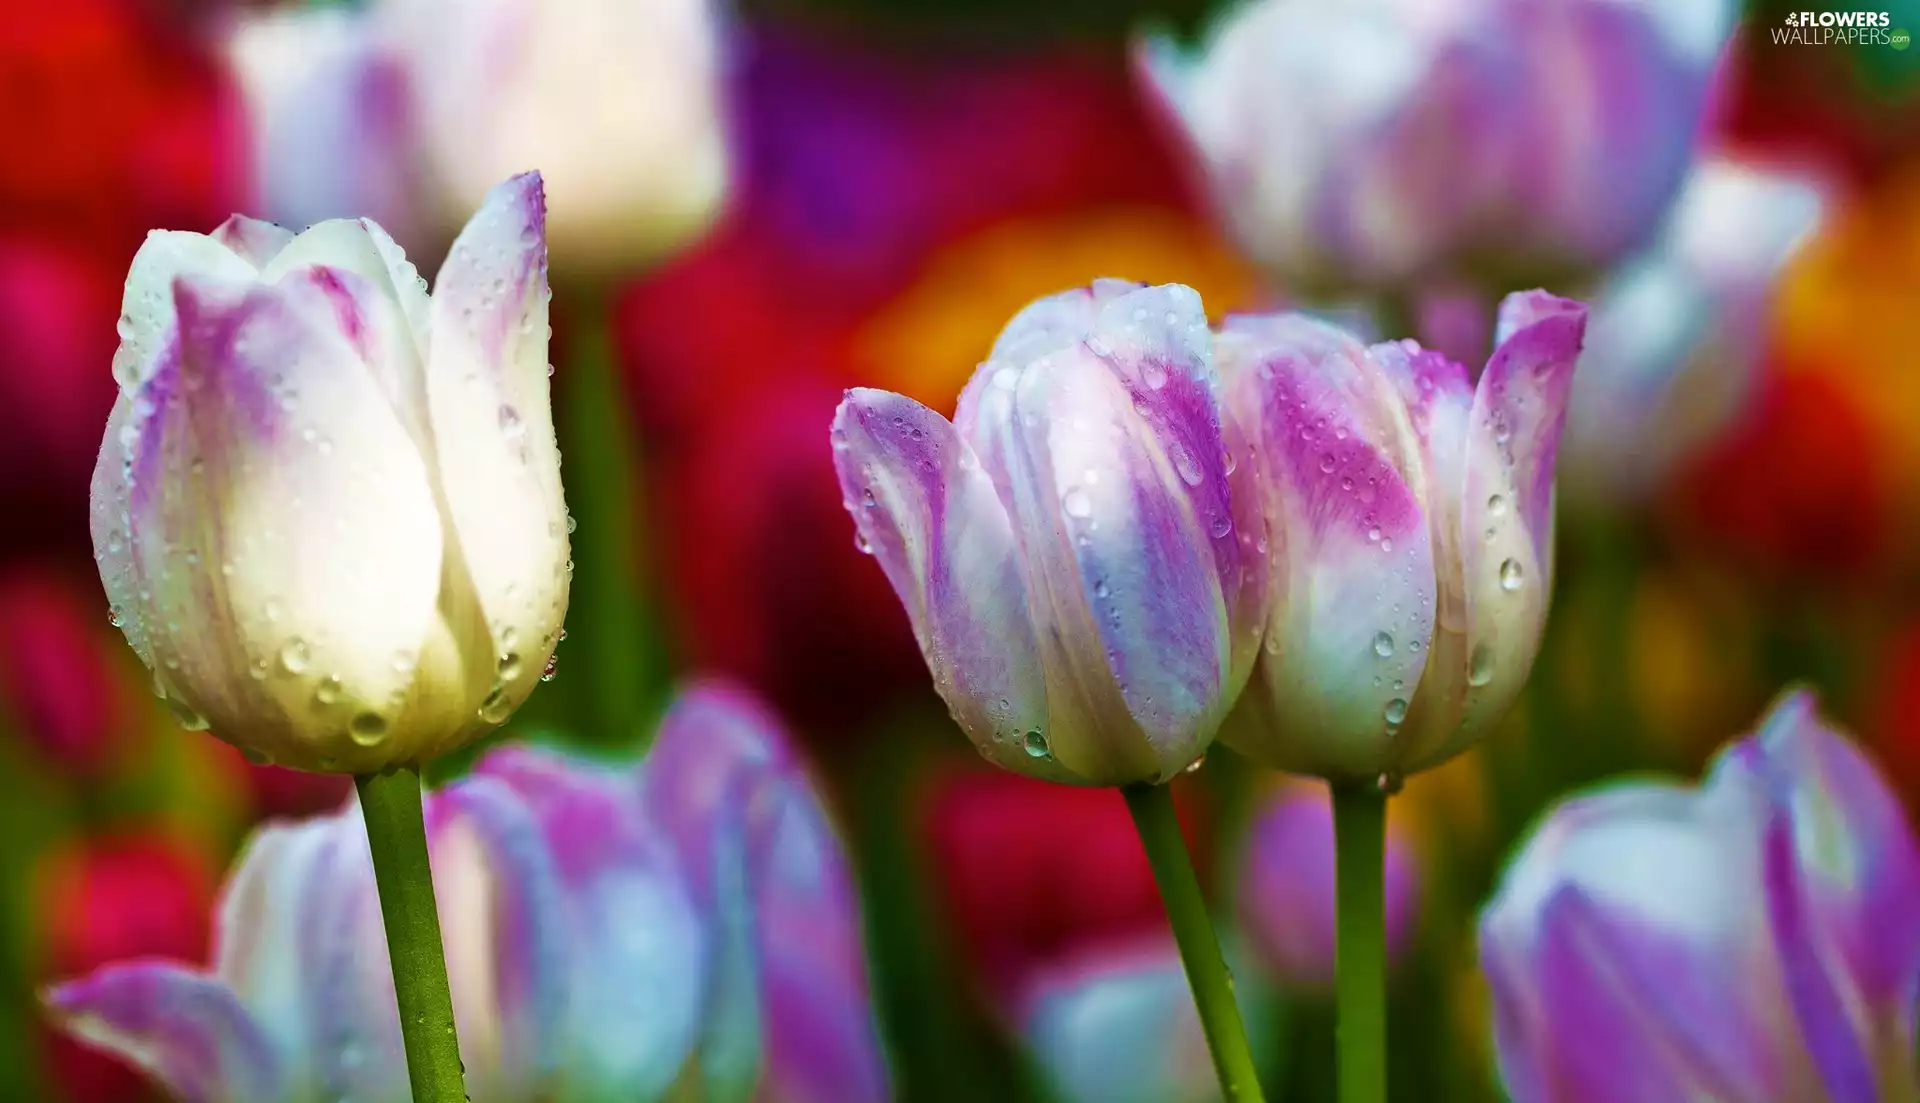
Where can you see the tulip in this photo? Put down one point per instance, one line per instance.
(325, 102)
(615, 102)
(1751, 940)
(1370, 146)
(1070, 548)
(574, 950)
(1677, 334)
(1115, 1023)
(327, 509)
(1286, 892)
(1411, 521)
(55, 681)
(789, 1016)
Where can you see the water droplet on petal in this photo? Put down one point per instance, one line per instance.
(1036, 744)
(1388, 783)
(1396, 710)
(509, 666)
(1077, 503)
(1194, 766)
(1327, 463)
(1480, 664)
(496, 708)
(1511, 576)
(327, 692)
(294, 656)
(1383, 644)
(1496, 505)
(189, 718)
(1222, 525)
(512, 427)
(368, 729)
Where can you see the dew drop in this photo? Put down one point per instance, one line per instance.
(1327, 463)
(1036, 743)
(1077, 503)
(496, 708)
(1480, 665)
(1496, 505)
(114, 616)
(1222, 525)
(509, 666)
(368, 729)
(1194, 766)
(1396, 710)
(1388, 783)
(861, 544)
(1155, 373)
(1373, 535)
(571, 524)
(1511, 575)
(1100, 588)
(1383, 644)
(1386, 545)
(294, 656)
(189, 718)
(552, 670)
(327, 692)
(512, 426)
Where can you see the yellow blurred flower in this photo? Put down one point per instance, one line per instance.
(927, 341)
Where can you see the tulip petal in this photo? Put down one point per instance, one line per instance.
(353, 1023)
(283, 524)
(186, 1030)
(506, 937)
(920, 499)
(110, 521)
(1505, 524)
(257, 951)
(639, 953)
(148, 321)
(1114, 539)
(1352, 612)
(252, 240)
(1118, 1025)
(492, 417)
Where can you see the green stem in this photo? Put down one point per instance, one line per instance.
(1360, 948)
(1153, 817)
(606, 618)
(397, 836)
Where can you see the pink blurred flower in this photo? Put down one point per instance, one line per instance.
(54, 674)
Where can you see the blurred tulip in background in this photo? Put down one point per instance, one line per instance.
(1285, 889)
(1411, 521)
(56, 681)
(1749, 940)
(1071, 548)
(1677, 333)
(337, 544)
(1368, 147)
(600, 928)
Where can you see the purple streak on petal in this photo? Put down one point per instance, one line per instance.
(1439, 398)
(1831, 1035)
(1521, 400)
(487, 257)
(255, 241)
(186, 1030)
(714, 733)
(528, 925)
(1522, 1042)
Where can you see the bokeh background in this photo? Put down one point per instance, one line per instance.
(904, 177)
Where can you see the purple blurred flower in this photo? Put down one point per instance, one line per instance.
(1076, 567)
(1752, 940)
(1374, 144)
(1410, 516)
(601, 929)
(1677, 333)
(788, 1015)
(1286, 891)
(1115, 1023)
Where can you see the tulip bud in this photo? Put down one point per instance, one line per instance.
(1677, 333)
(1369, 145)
(1749, 940)
(616, 102)
(327, 511)
(1410, 515)
(1076, 568)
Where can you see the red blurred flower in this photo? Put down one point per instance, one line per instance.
(58, 305)
(1812, 106)
(1030, 870)
(101, 900)
(54, 676)
(1797, 486)
(1895, 718)
(279, 793)
(113, 123)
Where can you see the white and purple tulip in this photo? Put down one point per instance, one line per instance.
(1678, 332)
(608, 936)
(1408, 534)
(1752, 940)
(1073, 549)
(327, 510)
(1375, 144)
